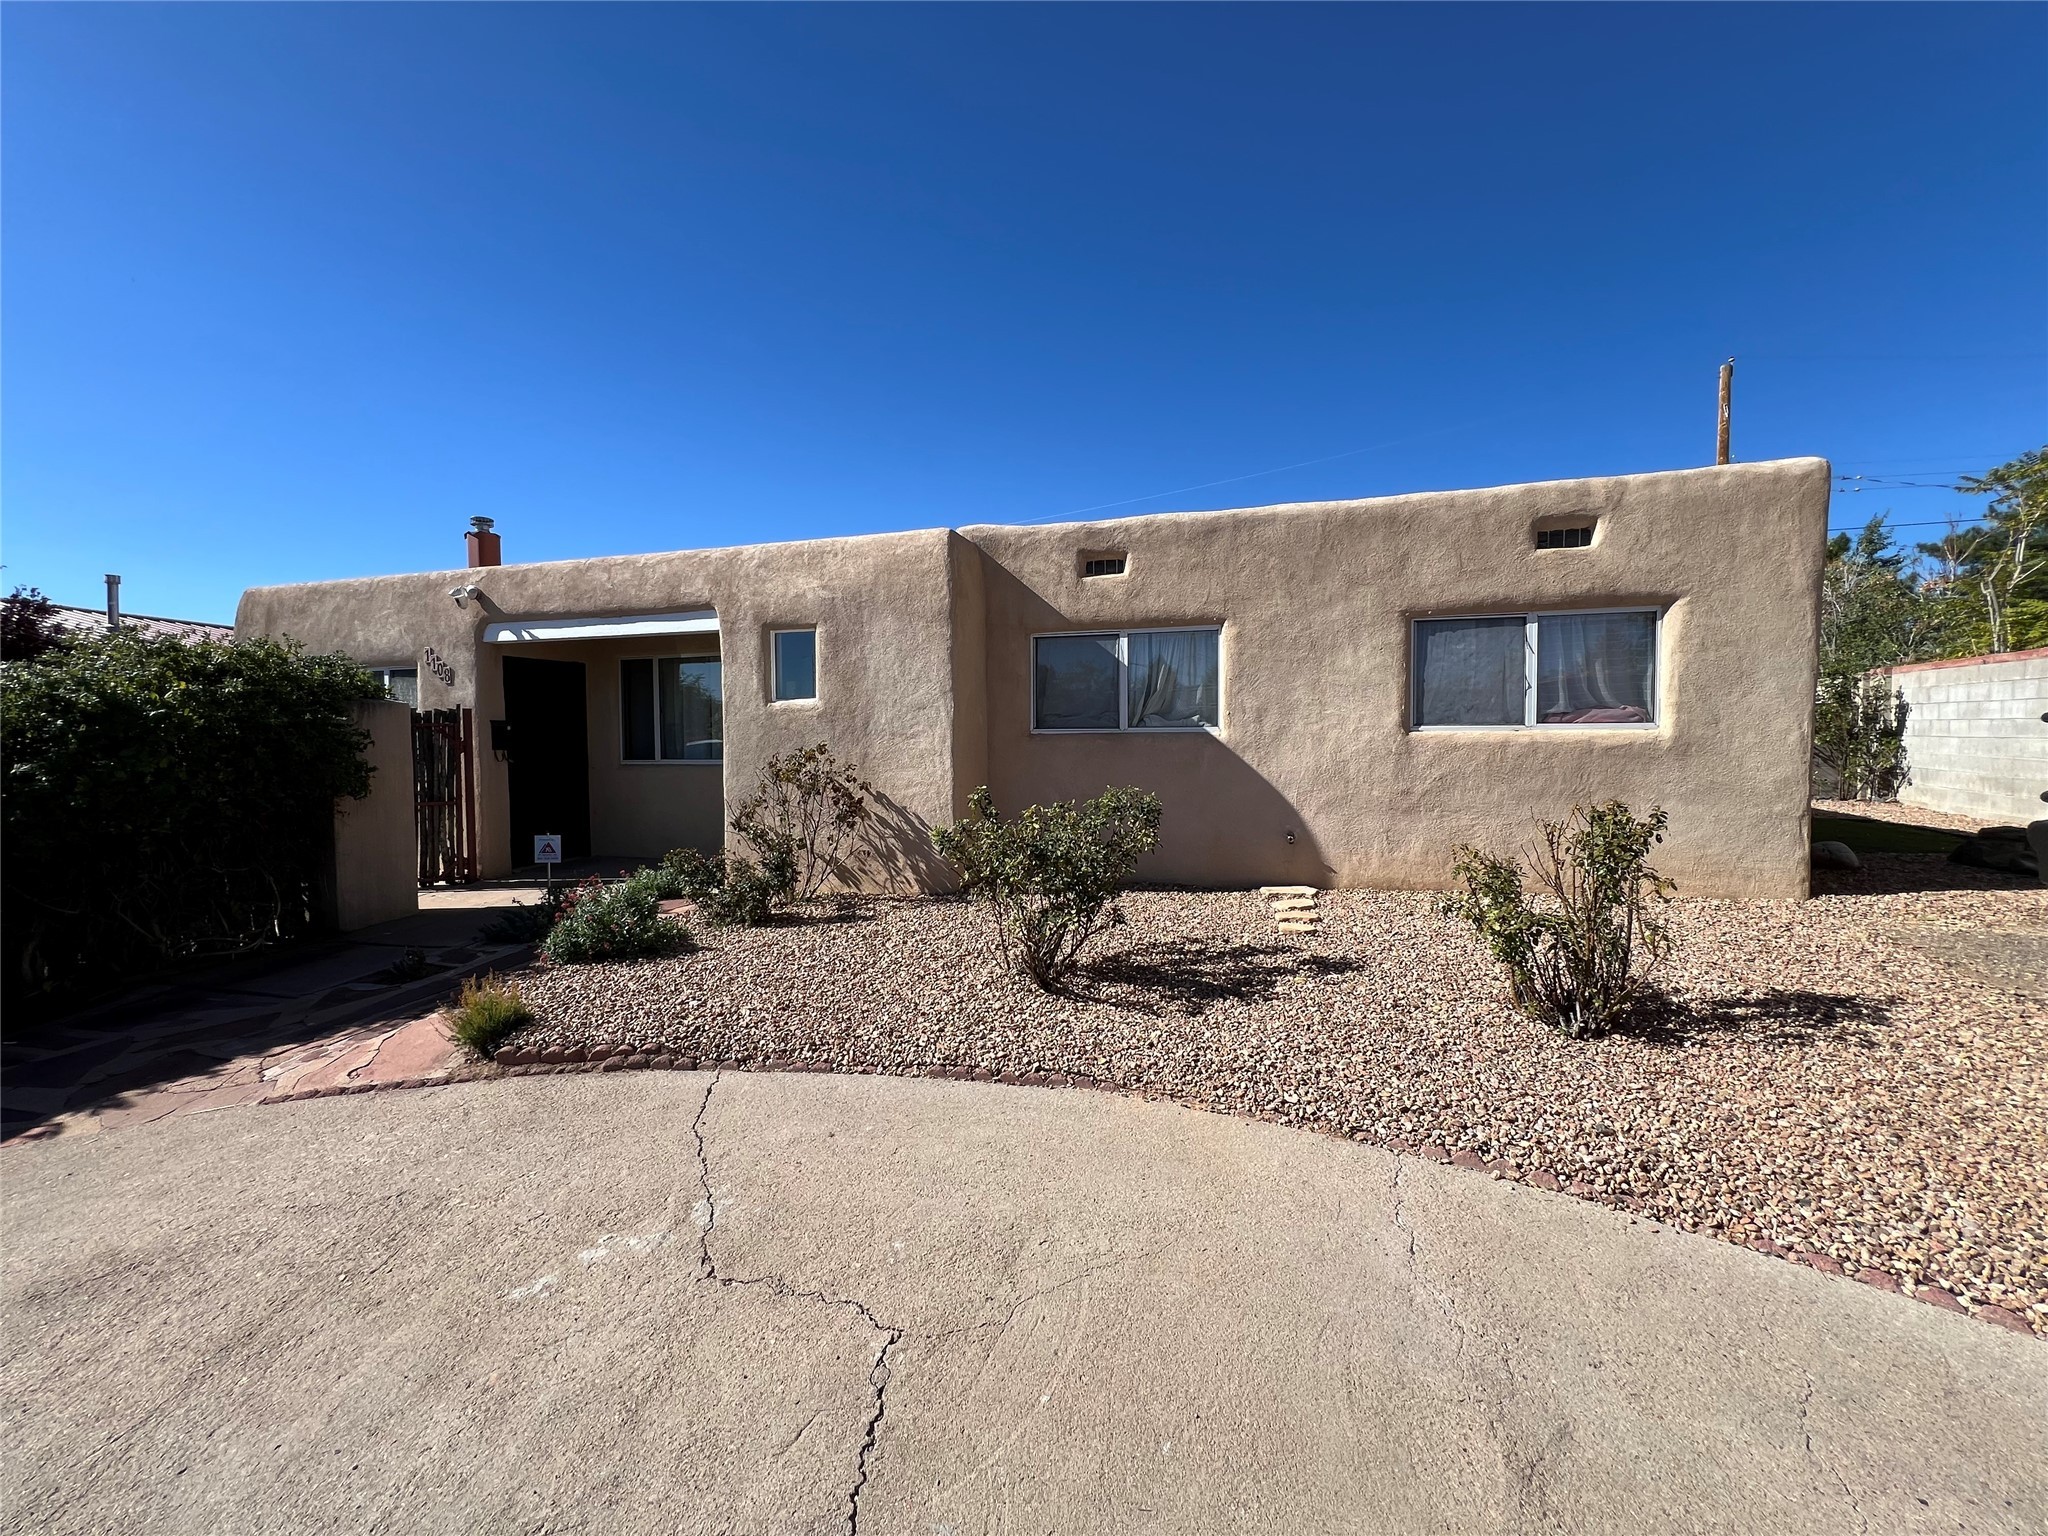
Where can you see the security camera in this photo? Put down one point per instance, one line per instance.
(463, 594)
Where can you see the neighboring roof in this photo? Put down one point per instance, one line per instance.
(93, 621)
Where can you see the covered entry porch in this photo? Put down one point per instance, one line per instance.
(611, 733)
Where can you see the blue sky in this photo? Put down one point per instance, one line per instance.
(291, 292)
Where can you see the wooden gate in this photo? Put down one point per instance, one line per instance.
(444, 795)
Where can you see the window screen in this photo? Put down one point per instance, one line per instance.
(1075, 682)
(796, 664)
(1471, 671)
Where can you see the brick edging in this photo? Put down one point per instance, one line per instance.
(521, 1061)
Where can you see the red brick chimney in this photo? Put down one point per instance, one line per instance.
(482, 543)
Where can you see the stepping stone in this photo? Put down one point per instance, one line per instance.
(1301, 927)
(1287, 890)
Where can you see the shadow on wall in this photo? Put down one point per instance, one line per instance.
(1224, 823)
(896, 852)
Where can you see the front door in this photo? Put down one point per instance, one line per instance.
(549, 743)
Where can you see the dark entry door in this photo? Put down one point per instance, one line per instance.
(550, 755)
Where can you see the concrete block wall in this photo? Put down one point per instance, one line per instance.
(1976, 736)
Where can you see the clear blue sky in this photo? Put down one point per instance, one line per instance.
(291, 291)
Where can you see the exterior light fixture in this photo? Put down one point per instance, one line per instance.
(464, 593)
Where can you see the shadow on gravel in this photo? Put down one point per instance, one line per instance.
(1775, 1016)
(1187, 976)
(1895, 874)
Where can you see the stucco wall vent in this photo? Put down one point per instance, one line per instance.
(1570, 536)
(1096, 562)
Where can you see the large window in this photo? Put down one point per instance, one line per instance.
(1135, 680)
(1536, 669)
(671, 710)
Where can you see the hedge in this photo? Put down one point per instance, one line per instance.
(166, 800)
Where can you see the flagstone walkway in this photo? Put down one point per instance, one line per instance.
(330, 1017)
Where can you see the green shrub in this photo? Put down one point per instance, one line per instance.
(167, 799)
(1578, 957)
(730, 889)
(805, 808)
(1859, 730)
(486, 1011)
(599, 922)
(1051, 877)
(28, 625)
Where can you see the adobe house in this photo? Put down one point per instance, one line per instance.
(1330, 693)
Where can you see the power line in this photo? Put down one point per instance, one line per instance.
(1938, 522)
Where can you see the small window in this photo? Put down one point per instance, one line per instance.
(400, 683)
(1136, 680)
(671, 710)
(1102, 565)
(1564, 538)
(795, 663)
(1536, 669)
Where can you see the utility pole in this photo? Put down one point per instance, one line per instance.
(1727, 404)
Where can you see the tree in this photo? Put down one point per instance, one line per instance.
(28, 625)
(1873, 611)
(1992, 580)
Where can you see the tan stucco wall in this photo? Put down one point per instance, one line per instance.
(881, 605)
(375, 873)
(924, 672)
(1315, 602)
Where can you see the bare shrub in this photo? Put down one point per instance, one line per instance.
(1578, 956)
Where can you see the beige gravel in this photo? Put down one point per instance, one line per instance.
(1822, 1077)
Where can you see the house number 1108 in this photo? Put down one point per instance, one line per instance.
(440, 668)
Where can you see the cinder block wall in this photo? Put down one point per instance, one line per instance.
(1976, 742)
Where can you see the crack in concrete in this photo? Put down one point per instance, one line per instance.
(1806, 1439)
(878, 1371)
(1492, 1386)
(1445, 1305)
(1002, 1325)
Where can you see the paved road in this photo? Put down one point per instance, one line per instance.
(811, 1304)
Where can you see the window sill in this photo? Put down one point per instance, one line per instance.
(1127, 730)
(1533, 730)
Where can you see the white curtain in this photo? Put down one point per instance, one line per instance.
(1595, 668)
(1173, 678)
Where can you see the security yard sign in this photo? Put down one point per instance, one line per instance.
(547, 849)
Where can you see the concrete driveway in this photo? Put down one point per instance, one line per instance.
(654, 1302)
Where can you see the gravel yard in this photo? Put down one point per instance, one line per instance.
(1835, 1076)
(1900, 815)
